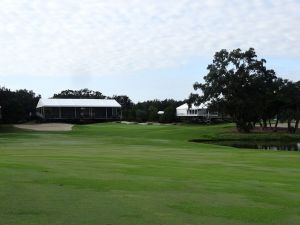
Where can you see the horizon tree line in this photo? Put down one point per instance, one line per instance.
(19, 106)
(237, 84)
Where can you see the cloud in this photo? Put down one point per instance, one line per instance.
(99, 37)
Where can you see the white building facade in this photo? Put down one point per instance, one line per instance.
(195, 112)
(78, 109)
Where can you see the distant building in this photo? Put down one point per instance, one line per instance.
(161, 112)
(78, 109)
(200, 112)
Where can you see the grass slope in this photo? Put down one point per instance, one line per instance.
(135, 175)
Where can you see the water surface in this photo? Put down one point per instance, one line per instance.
(265, 145)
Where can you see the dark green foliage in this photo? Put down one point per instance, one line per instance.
(239, 84)
(17, 106)
(150, 108)
(152, 113)
(290, 107)
(147, 111)
(82, 93)
(124, 101)
(169, 115)
(127, 106)
(140, 112)
(140, 115)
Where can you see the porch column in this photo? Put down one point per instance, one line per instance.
(91, 112)
(59, 113)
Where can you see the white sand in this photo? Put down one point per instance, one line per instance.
(46, 126)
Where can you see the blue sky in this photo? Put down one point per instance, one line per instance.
(146, 49)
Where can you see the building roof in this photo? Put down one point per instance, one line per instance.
(62, 102)
(186, 106)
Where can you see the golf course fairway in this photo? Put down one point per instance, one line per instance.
(118, 174)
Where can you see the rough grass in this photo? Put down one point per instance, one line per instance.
(135, 175)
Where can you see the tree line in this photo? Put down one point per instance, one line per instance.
(20, 105)
(146, 111)
(17, 106)
(239, 84)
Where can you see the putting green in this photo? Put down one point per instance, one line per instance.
(122, 174)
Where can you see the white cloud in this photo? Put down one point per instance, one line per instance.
(99, 37)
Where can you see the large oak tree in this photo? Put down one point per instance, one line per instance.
(239, 84)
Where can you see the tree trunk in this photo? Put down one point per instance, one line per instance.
(296, 125)
(297, 119)
(243, 126)
(290, 129)
(270, 124)
(261, 125)
(265, 123)
(276, 125)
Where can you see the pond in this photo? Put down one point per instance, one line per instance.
(265, 145)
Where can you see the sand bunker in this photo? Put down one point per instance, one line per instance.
(46, 126)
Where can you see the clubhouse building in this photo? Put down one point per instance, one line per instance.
(78, 109)
(199, 113)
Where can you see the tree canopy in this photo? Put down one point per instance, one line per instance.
(82, 93)
(17, 106)
(239, 84)
(140, 112)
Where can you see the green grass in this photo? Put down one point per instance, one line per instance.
(134, 175)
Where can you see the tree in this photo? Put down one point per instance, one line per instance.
(239, 84)
(169, 115)
(17, 106)
(127, 106)
(141, 115)
(82, 93)
(152, 114)
(124, 101)
(152, 107)
(290, 110)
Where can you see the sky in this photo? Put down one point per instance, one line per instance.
(146, 49)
